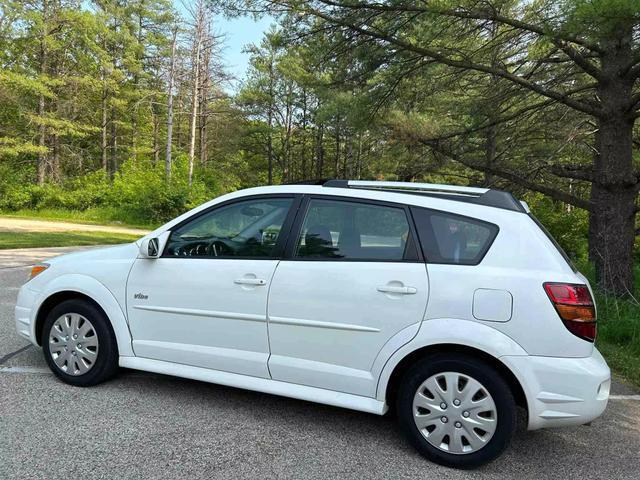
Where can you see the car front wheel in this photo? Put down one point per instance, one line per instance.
(79, 344)
(456, 410)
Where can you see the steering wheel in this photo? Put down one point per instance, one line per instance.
(218, 248)
(194, 249)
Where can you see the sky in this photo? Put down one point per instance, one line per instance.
(239, 32)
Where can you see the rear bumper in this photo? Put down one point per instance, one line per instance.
(562, 391)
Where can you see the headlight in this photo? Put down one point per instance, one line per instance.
(38, 269)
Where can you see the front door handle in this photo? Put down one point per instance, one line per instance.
(250, 281)
(397, 290)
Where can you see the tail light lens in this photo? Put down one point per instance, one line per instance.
(575, 307)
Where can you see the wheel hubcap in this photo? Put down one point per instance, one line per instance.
(469, 422)
(73, 344)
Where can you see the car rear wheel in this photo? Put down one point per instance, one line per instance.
(456, 410)
(79, 344)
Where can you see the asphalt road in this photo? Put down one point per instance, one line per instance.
(152, 426)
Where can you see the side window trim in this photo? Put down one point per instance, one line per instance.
(282, 238)
(431, 211)
(289, 251)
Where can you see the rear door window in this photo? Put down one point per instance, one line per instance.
(453, 239)
(348, 230)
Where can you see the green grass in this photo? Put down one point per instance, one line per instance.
(61, 239)
(91, 216)
(622, 360)
(619, 335)
(618, 329)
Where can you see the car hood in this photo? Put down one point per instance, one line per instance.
(125, 251)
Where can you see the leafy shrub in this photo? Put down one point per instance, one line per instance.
(141, 188)
(80, 193)
(15, 187)
(139, 191)
(16, 198)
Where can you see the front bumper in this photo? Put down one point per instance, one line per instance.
(24, 316)
(562, 391)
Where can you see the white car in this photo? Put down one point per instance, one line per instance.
(451, 305)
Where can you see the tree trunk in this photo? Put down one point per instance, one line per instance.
(172, 73)
(156, 132)
(197, 57)
(490, 148)
(54, 163)
(303, 152)
(42, 136)
(593, 227)
(359, 158)
(178, 119)
(204, 99)
(613, 194)
(348, 158)
(104, 122)
(286, 147)
(42, 129)
(136, 83)
(336, 158)
(194, 112)
(615, 187)
(320, 151)
(103, 145)
(270, 124)
(269, 150)
(114, 144)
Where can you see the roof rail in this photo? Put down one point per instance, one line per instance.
(428, 187)
(311, 181)
(477, 195)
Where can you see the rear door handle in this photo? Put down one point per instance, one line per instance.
(250, 281)
(397, 290)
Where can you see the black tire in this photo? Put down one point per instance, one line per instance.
(106, 361)
(476, 369)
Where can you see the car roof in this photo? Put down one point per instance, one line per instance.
(475, 195)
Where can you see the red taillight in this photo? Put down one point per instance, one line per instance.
(575, 307)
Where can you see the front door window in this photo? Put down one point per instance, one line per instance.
(249, 229)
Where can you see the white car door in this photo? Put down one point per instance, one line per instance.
(351, 280)
(204, 301)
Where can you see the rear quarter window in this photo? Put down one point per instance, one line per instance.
(554, 242)
(453, 239)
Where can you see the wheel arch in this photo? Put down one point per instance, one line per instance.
(403, 365)
(56, 299)
(89, 289)
(452, 335)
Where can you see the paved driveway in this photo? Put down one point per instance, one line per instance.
(152, 426)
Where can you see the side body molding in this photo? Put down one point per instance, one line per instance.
(92, 288)
(447, 331)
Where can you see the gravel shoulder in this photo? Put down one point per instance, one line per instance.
(11, 224)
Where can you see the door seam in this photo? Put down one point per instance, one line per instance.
(267, 317)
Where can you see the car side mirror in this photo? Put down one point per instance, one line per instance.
(153, 247)
(150, 248)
